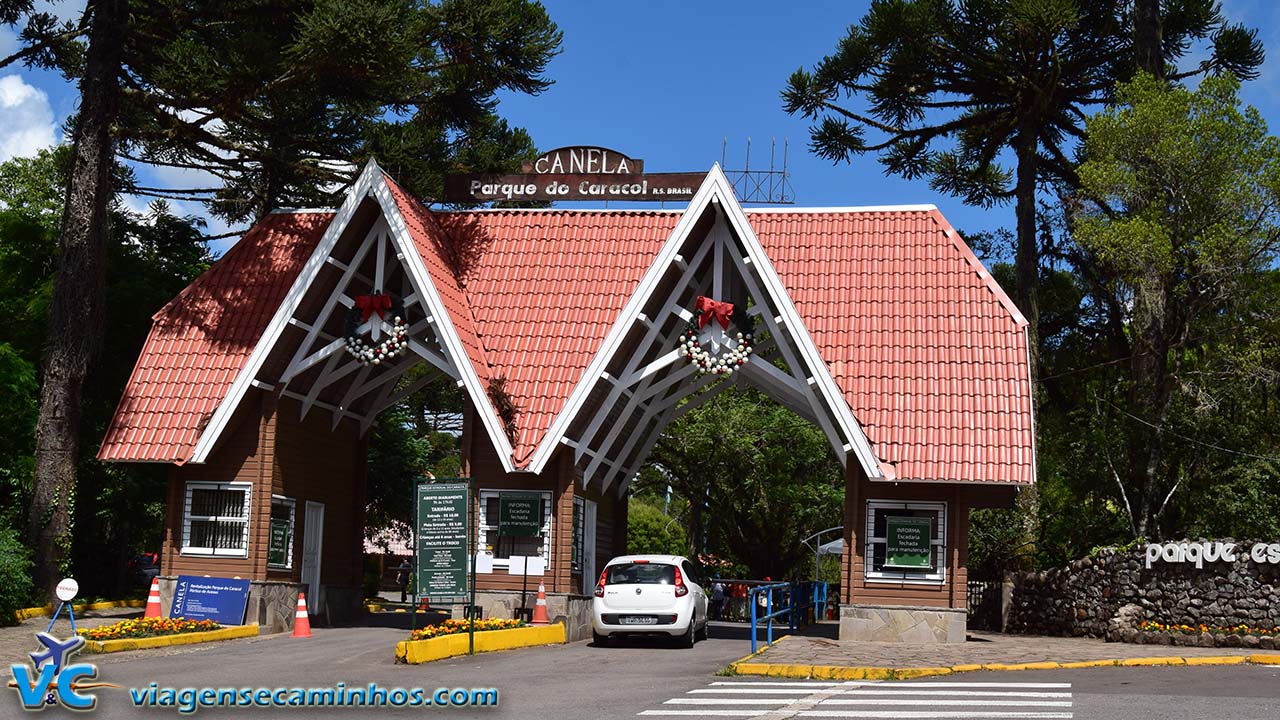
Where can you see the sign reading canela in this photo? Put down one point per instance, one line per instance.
(520, 514)
(575, 173)
(909, 542)
(442, 539)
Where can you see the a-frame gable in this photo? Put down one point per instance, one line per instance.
(319, 362)
(623, 401)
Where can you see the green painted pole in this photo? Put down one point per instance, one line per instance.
(471, 558)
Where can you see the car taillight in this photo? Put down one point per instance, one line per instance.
(681, 589)
(600, 585)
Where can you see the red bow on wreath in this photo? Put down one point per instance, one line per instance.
(709, 309)
(370, 304)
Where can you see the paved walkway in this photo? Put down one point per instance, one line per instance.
(18, 640)
(981, 649)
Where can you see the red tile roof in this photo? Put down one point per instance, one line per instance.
(200, 341)
(929, 353)
(922, 342)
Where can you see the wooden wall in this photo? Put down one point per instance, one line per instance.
(951, 593)
(563, 479)
(267, 445)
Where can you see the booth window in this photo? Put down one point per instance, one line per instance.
(216, 519)
(906, 517)
(507, 546)
(280, 536)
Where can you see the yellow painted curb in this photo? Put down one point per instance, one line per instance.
(1151, 661)
(415, 652)
(1080, 664)
(227, 633)
(839, 672)
(1219, 660)
(47, 610)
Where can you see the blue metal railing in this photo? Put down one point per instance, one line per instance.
(774, 600)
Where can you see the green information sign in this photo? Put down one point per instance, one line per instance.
(910, 543)
(442, 539)
(520, 514)
(278, 543)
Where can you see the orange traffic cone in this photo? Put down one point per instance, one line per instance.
(301, 623)
(540, 607)
(153, 599)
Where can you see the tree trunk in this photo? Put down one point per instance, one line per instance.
(1147, 37)
(75, 316)
(1027, 259)
(1149, 397)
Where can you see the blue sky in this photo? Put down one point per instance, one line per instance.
(667, 82)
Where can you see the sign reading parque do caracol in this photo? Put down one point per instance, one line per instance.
(580, 172)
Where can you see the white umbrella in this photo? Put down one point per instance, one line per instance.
(835, 547)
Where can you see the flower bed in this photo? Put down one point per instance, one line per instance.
(1155, 633)
(452, 627)
(1150, 626)
(147, 627)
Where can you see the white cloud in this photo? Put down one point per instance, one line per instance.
(26, 119)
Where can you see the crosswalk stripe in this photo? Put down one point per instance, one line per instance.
(703, 713)
(798, 692)
(947, 701)
(726, 701)
(978, 684)
(929, 714)
(854, 699)
(962, 693)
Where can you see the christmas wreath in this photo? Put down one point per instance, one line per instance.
(727, 353)
(393, 344)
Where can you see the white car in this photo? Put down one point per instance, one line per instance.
(649, 595)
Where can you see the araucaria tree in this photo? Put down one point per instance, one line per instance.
(1181, 217)
(278, 101)
(950, 90)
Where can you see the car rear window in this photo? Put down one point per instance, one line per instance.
(641, 574)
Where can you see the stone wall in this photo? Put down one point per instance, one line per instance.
(892, 623)
(1085, 597)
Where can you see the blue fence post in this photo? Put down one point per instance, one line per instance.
(751, 599)
(768, 611)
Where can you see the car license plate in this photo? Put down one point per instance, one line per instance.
(638, 620)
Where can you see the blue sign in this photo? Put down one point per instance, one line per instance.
(210, 598)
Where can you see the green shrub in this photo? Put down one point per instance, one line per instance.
(15, 575)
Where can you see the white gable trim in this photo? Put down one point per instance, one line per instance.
(715, 189)
(444, 326)
(370, 183)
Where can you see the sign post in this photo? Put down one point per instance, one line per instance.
(443, 510)
(909, 543)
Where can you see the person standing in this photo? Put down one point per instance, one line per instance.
(402, 578)
(717, 600)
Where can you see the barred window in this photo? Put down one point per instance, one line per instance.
(216, 519)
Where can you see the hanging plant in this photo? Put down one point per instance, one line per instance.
(393, 344)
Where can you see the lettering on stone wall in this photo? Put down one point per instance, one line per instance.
(1200, 553)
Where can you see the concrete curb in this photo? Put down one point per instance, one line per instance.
(228, 633)
(47, 610)
(840, 672)
(415, 652)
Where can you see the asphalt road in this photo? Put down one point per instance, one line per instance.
(578, 681)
